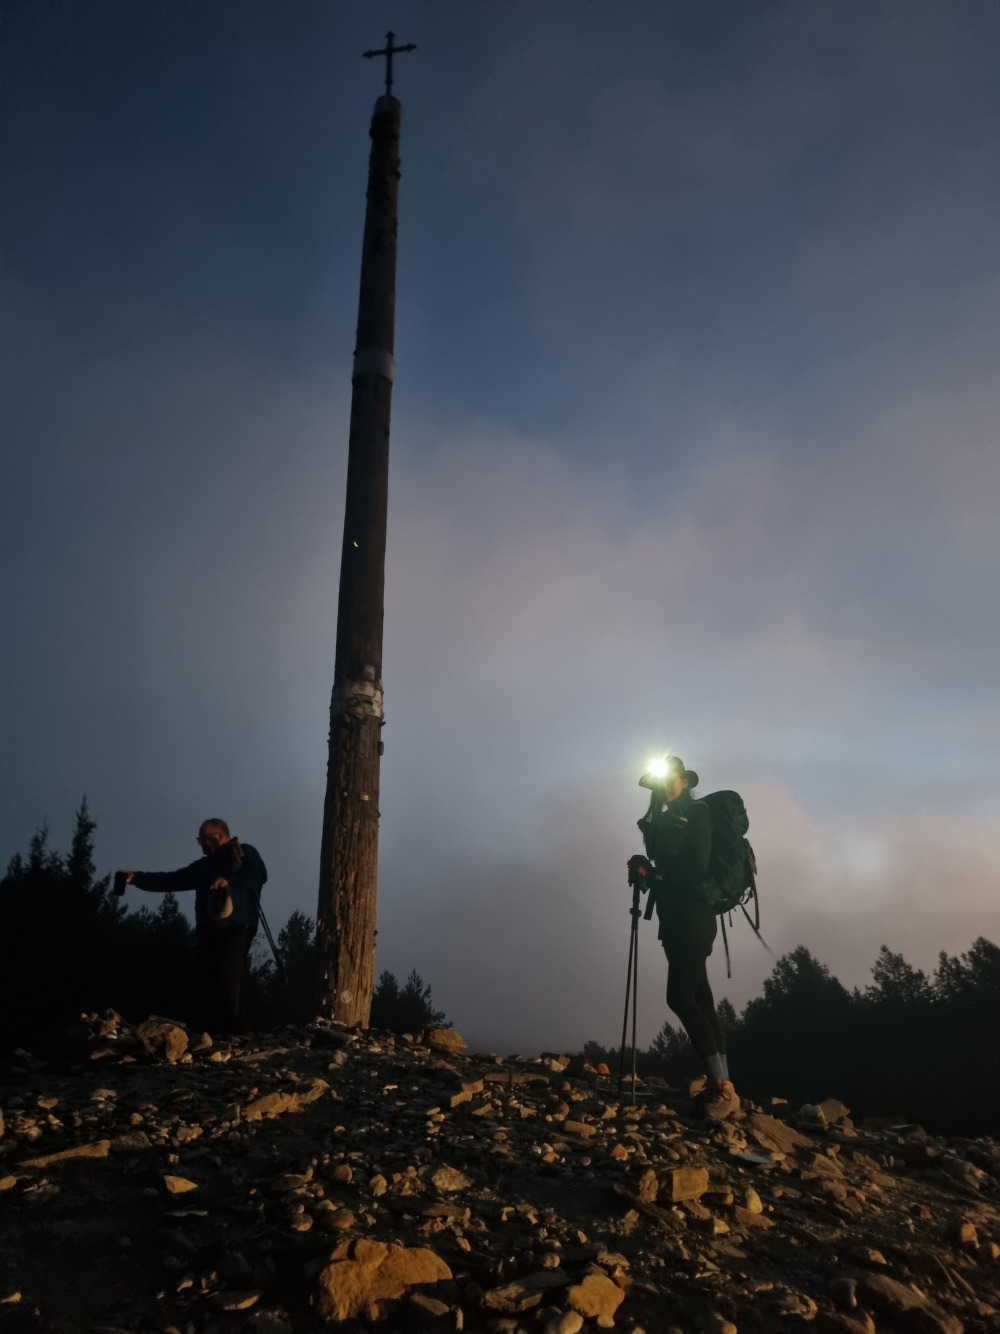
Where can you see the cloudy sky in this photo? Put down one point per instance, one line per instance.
(694, 447)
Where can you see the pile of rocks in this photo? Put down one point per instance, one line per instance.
(323, 1176)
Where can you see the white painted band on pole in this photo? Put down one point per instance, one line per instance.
(373, 359)
(358, 698)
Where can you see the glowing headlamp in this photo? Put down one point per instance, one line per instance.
(657, 770)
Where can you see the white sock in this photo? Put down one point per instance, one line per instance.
(716, 1066)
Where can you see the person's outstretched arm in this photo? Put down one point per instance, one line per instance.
(198, 875)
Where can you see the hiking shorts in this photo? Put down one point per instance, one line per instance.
(687, 930)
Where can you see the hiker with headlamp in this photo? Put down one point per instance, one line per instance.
(677, 833)
(227, 880)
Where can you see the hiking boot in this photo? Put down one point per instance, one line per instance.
(718, 1101)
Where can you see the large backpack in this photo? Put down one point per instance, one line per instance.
(729, 882)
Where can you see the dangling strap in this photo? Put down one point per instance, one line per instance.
(755, 920)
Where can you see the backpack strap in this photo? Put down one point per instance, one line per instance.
(749, 897)
(755, 920)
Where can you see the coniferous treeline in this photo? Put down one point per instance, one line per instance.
(71, 947)
(908, 1046)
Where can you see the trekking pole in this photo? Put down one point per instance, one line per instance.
(278, 965)
(631, 988)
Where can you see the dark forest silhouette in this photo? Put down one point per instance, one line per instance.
(72, 947)
(909, 1045)
(407, 1008)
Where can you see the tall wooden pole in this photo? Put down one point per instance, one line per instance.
(346, 914)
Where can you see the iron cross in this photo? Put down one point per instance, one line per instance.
(389, 51)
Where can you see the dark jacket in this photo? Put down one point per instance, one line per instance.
(246, 878)
(678, 841)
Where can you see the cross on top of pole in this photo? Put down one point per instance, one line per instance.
(389, 51)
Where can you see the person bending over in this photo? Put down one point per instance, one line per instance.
(677, 832)
(227, 881)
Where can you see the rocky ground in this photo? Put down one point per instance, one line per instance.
(321, 1176)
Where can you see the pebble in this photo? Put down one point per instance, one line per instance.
(752, 1201)
(175, 1185)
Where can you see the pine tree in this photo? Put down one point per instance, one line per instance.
(407, 1009)
(896, 982)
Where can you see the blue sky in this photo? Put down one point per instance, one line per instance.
(694, 446)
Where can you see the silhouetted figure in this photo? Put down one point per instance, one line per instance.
(677, 832)
(227, 881)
